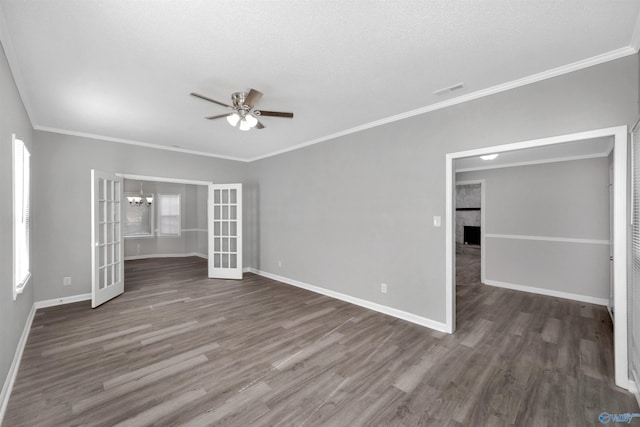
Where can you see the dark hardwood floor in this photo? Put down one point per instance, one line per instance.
(180, 349)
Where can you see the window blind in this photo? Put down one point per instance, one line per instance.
(169, 214)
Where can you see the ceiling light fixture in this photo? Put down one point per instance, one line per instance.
(244, 115)
(140, 200)
(243, 118)
(489, 156)
(233, 119)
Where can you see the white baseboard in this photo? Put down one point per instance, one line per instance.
(15, 365)
(409, 317)
(13, 370)
(61, 301)
(148, 256)
(548, 292)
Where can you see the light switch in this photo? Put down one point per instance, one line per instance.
(437, 221)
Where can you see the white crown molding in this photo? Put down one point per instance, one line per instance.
(579, 65)
(539, 162)
(131, 142)
(555, 72)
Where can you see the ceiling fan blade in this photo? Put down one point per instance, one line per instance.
(259, 125)
(276, 114)
(219, 116)
(252, 97)
(197, 95)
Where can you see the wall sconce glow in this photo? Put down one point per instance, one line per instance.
(489, 156)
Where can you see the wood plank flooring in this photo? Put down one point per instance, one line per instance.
(180, 349)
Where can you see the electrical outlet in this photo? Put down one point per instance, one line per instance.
(383, 288)
(437, 221)
(67, 281)
(279, 264)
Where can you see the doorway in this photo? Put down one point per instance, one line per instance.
(223, 224)
(619, 236)
(469, 227)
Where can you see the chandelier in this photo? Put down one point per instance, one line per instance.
(141, 199)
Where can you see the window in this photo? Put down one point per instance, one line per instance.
(21, 188)
(138, 220)
(168, 214)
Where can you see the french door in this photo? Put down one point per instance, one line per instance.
(107, 267)
(225, 231)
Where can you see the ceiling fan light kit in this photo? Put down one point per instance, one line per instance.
(244, 115)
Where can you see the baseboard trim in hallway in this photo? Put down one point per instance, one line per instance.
(394, 312)
(548, 292)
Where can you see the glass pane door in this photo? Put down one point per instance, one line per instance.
(225, 231)
(106, 235)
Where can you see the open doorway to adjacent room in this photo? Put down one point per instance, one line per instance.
(530, 241)
(469, 218)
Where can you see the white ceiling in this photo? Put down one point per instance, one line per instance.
(122, 70)
(589, 148)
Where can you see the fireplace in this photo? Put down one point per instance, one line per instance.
(471, 235)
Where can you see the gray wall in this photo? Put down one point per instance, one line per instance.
(467, 196)
(193, 216)
(350, 213)
(13, 314)
(345, 215)
(62, 208)
(558, 200)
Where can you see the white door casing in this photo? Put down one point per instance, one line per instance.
(619, 237)
(107, 267)
(225, 231)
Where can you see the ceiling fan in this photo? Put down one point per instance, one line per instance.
(244, 114)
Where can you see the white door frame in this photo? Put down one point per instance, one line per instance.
(163, 179)
(482, 184)
(620, 232)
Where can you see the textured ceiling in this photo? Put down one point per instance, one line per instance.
(123, 70)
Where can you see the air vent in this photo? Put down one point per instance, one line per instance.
(449, 89)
